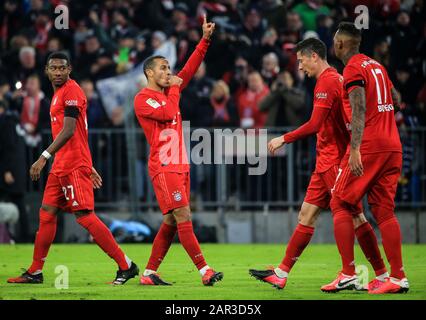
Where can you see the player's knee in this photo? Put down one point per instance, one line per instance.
(80, 214)
(382, 214)
(49, 209)
(169, 219)
(182, 214)
(307, 218)
(46, 216)
(359, 219)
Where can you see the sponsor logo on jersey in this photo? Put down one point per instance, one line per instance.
(321, 95)
(177, 196)
(153, 103)
(71, 102)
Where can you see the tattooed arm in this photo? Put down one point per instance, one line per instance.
(358, 105)
(396, 98)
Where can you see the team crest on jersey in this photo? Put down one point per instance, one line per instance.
(177, 196)
(71, 102)
(153, 103)
(321, 95)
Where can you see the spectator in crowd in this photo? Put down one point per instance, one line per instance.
(96, 115)
(164, 47)
(270, 68)
(125, 57)
(39, 31)
(10, 22)
(406, 84)
(104, 67)
(27, 66)
(222, 106)
(33, 107)
(195, 99)
(285, 104)
(237, 78)
(309, 11)
(89, 56)
(274, 11)
(248, 102)
(270, 43)
(12, 162)
(143, 50)
(402, 41)
(381, 53)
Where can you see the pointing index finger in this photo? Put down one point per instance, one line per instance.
(205, 18)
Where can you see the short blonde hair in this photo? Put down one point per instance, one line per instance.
(222, 84)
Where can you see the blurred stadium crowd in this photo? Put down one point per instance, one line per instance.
(250, 58)
(250, 77)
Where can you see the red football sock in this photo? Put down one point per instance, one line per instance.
(298, 242)
(391, 240)
(44, 238)
(345, 237)
(368, 242)
(161, 245)
(104, 239)
(190, 243)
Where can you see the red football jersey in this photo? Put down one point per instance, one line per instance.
(159, 115)
(333, 137)
(380, 131)
(75, 153)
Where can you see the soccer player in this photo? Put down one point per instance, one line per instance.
(328, 123)
(372, 164)
(72, 178)
(158, 112)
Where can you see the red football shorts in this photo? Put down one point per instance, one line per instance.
(380, 179)
(70, 193)
(320, 186)
(172, 190)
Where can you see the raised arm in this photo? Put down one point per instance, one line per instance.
(358, 105)
(194, 61)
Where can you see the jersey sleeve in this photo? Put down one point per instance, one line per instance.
(194, 61)
(309, 128)
(149, 107)
(352, 78)
(325, 94)
(74, 99)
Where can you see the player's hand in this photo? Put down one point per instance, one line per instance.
(175, 81)
(37, 167)
(275, 144)
(208, 28)
(96, 179)
(8, 177)
(355, 163)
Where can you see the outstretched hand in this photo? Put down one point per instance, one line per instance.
(208, 28)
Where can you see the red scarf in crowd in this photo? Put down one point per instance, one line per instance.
(220, 111)
(30, 110)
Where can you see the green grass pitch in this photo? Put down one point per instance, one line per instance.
(90, 270)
